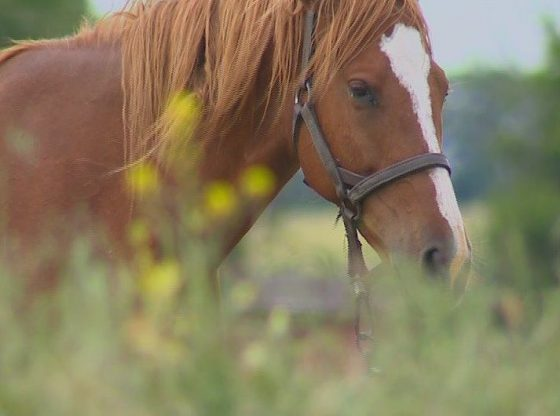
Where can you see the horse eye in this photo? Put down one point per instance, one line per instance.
(363, 93)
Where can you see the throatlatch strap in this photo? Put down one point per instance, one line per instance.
(307, 52)
(310, 119)
(356, 263)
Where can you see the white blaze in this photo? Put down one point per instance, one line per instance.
(411, 64)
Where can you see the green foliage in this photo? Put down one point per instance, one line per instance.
(525, 222)
(553, 58)
(525, 206)
(99, 344)
(483, 106)
(34, 19)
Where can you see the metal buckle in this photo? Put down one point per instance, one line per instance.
(304, 88)
(351, 211)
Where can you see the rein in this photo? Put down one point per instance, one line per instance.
(351, 188)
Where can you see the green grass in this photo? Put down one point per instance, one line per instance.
(105, 342)
(312, 243)
(308, 243)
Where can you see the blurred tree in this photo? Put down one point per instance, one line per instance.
(33, 19)
(526, 205)
(483, 105)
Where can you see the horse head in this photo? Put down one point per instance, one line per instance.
(384, 106)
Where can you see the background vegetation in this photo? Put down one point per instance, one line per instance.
(31, 19)
(110, 341)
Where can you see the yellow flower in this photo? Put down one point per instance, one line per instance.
(139, 233)
(220, 200)
(143, 335)
(183, 113)
(23, 144)
(146, 338)
(243, 295)
(161, 281)
(258, 182)
(143, 179)
(255, 356)
(278, 322)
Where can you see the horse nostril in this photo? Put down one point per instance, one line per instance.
(436, 262)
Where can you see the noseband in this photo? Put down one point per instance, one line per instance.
(351, 188)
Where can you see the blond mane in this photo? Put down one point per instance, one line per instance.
(241, 57)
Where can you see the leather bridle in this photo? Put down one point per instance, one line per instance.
(351, 188)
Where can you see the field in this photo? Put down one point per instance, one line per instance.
(312, 243)
(97, 345)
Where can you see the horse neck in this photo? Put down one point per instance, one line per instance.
(226, 158)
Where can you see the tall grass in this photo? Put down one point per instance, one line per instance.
(105, 341)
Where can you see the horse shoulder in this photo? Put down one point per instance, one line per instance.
(61, 132)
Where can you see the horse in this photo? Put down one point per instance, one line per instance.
(92, 105)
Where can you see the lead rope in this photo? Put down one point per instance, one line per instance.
(358, 273)
(357, 269)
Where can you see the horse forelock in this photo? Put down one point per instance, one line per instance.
(224, 49)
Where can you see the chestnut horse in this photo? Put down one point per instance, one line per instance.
(91, 105)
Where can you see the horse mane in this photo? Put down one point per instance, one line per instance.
(241, 57)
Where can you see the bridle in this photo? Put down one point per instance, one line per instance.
(351, 188)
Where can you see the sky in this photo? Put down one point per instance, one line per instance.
(472, 33)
